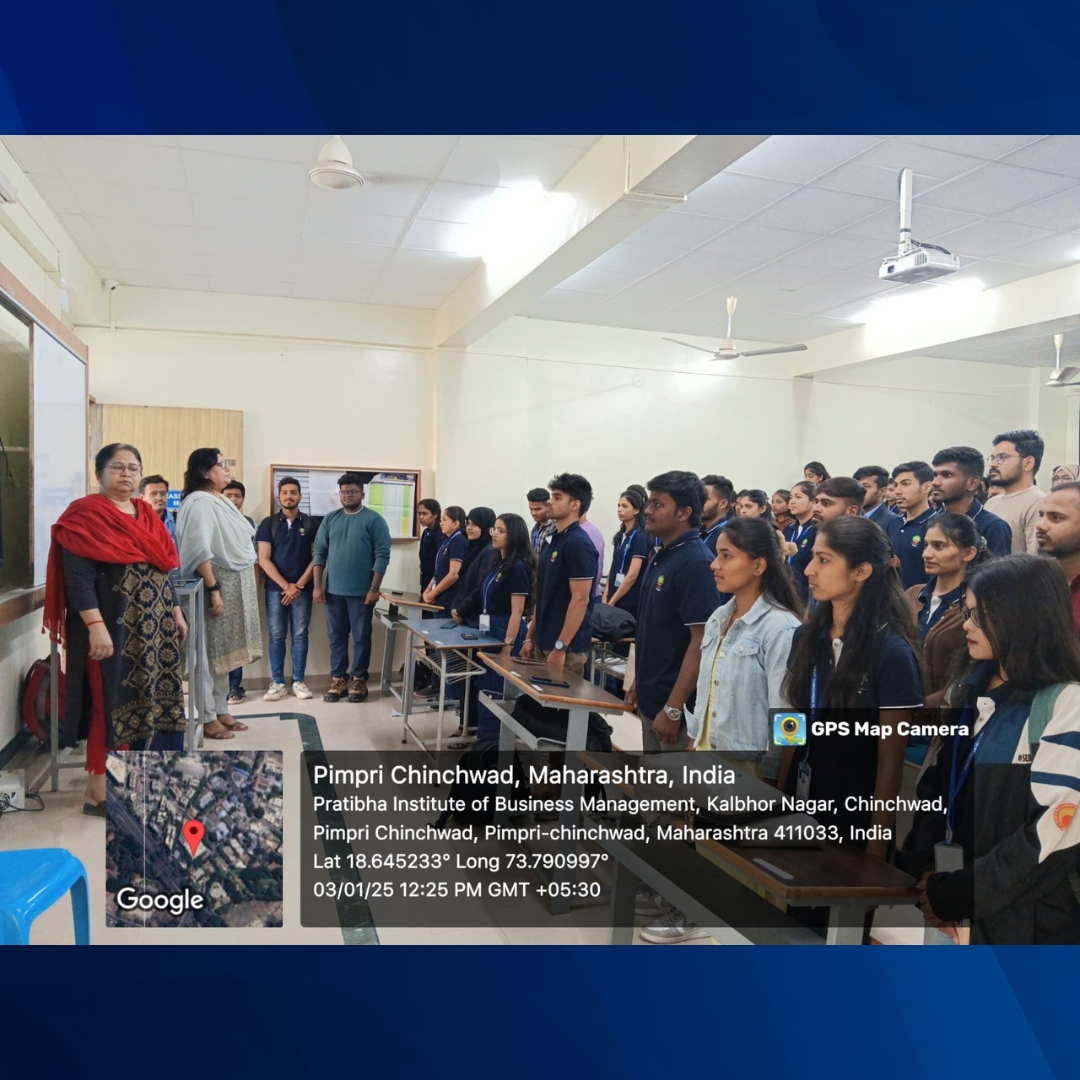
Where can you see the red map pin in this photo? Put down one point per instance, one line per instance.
(193, 833)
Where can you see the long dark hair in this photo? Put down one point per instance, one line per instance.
(760, 498)
(961, 530)
(758, 539)
(1025, 611)
(519, 548)
(817, 469)
(456, 513)
(881, 605)
(199, 464)
(637, 497)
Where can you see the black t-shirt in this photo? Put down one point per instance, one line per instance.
(630, 546)
(453, 547)
(568, 556)
(909, 539)
(677, 591)
(500, 584)
(846, 765)
(290, 546)
(802, 536)
(430, 540)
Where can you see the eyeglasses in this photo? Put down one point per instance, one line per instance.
(221, 464)
(118, 469)
(971, 615)
(350, 493)
(496, 531)
(1000, 459)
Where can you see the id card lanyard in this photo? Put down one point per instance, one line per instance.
(802, 776)
(624, 550)
(956, 783)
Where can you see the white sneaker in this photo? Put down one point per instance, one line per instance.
(300, 690)
(650, 902)
(671, 930)
(276, 692)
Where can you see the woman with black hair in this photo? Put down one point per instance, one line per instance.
(781, 510)
(442, 589)
(815, 472)
(745, 649)
(753, 503)
(800, 532)
(507, 594)
(1006, 851)
(954, 546)
(428, 512)
(855, 660)
(631, 545)
(478, 557)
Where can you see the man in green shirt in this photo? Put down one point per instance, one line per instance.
(352, 552)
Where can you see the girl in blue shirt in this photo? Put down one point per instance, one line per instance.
(631, 550)
(443, 587)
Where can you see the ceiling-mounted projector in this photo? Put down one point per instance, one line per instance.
(914, 261)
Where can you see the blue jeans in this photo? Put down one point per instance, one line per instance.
(345, 614)
(236, 678)
(280, 618)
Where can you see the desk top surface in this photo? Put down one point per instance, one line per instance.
(818, 874)
(440, 634)
(580, 692)
(407, 599)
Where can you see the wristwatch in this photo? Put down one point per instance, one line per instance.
(560, 646)
(672, 714)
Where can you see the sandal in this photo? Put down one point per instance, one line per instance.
(224, 734)
(459, 745)
(234, 726)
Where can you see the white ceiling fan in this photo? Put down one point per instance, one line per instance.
(727, 350)
(1061, 376)
(335, 170)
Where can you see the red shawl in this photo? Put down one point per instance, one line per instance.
(94, 527)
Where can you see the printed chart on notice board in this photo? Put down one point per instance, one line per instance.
(392, 495)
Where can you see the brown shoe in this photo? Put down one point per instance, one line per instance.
(357, 689)
(337, 688)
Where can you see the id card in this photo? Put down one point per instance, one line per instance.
(619, 578)
(948, 858)
(802, 781)
(485, 624)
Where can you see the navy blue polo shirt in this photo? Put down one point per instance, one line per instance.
(997, 532)
(630, 546)
(802, 536)
(846, 765)
(290, 546)
(927, 619)
(500, 584)
(569, 556)
(709, 536)
(430, 540)
(452, 547)
(909, 539)
(677, 591)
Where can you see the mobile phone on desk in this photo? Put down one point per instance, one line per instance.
(548, 682)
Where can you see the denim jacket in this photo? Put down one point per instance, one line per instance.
(749, 675)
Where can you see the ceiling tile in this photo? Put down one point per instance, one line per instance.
(120, 160)
(300, 149)
(928, 224)
(992, 189)
(494, 162)
(1055, 153)
(406, 300)
(81, 229)
(799, 159)
(877, 172)
(465, 204)
(830, 293)
(441, 236)
(1059, 212)
(1049, 253)
(836, 253)
(58, 194)
(639, 258)
(593, 280)
(324, 257)
(163, 280)
(245, 286)
(991, 272)
(987, 147)
(229, 174)
(271, 245)
(582, 142)
(350, 227)
(256, 267)
(418, 156)
(733, 197)
(759, 243)
(342, 292)
(337, 281)
(777, 277)
(159, 205)
(815, 210)
(991, 237)
(236, 214)
(406, 261)
(32, 153)
(393, 198)
(137, 256)
(428, 284)
(677, 231)
(124, 237)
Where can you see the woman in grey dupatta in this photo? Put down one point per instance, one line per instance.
(216, 543)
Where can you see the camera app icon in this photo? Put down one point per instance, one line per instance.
(789, 728)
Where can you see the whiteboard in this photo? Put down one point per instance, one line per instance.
(60, 438)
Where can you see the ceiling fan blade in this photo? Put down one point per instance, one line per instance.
(773, 352)
(675, 341)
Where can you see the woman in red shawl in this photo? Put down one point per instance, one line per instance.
(108, 598)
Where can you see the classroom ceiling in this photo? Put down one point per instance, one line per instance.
(1025, 346)
(796, 228)
(237, 214)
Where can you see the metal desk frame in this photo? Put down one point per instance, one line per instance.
(392, 620)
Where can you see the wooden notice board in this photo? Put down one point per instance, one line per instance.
(392, 493)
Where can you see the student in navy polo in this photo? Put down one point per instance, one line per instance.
(800, 532)
(678, 594)
(958, 472)
(442, 589)
(875, 479)
(561, 630)
(913, 480)
(631, 551)
(718, 508)
(285, 541)
(428, 513)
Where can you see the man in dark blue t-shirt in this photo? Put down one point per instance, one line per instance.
(561, 628)
(284, 541)
(957, 472)
(678, 594)
(913, 480)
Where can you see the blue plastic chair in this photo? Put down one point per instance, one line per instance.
(31, 881)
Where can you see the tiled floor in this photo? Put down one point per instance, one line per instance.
(342, 726)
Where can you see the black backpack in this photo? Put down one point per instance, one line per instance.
(479, 756)
(612, 623)
(553, 724)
